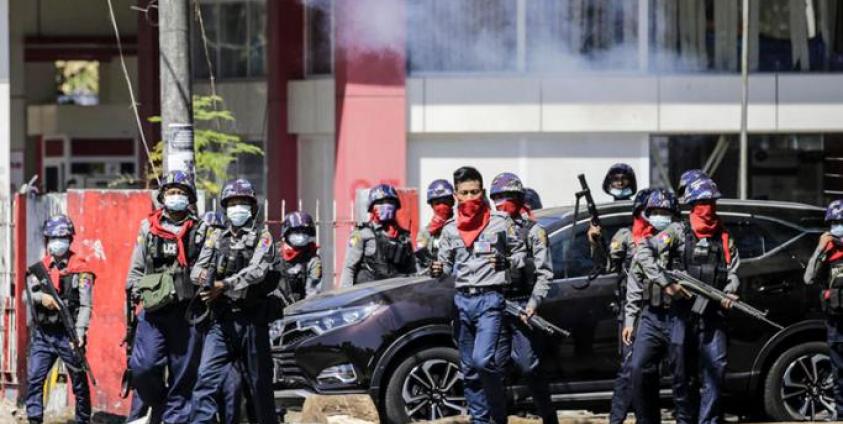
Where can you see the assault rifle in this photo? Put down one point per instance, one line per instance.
(602, 249)
(128, 344)
(39, 271)
(535, 321)
(700, 288)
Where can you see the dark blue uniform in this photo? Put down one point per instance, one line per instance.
(239, 329)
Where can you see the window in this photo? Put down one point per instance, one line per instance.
(465, 35)
(319, 31)
(748, 238)
(250, 167)
(572, 258)
(236, 36)
(77, 82)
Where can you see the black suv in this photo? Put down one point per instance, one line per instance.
(392, 339)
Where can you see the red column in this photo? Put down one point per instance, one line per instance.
(285, 35)
(371, 132)
(149, 93)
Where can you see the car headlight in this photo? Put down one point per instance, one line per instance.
(322, 322)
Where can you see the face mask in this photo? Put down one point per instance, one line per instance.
(176, 202)
(443, 210)
(837, 230)
(238, 214)
(385, 212)
(58, 246)
(298, 239)
(507, 206)
(660, 222)
(620, 193)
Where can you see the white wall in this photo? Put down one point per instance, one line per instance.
(316, 182)
(549, 163)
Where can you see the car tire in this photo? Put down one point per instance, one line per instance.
(438, 369)
(805, 364)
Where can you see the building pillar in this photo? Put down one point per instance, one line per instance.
(149, 82)
(370, 128)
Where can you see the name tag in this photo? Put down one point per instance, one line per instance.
(483, 247)
(169, 249)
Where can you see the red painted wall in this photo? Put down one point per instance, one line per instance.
(106, 231)
(285, 35)
(371, 131)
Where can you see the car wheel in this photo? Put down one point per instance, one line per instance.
(800, 385)
(427, 385)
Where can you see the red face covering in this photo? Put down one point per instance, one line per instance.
(442, 212)
(641, 228)
(704, 220)
(472, 218)
(513, 208)
(290, 253)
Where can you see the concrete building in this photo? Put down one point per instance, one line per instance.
(346, 94)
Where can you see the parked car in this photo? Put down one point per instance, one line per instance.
(392, 339)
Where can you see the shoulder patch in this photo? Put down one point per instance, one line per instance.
(317, 269)
(663, 238)
(86, 280)
(616, 245)
(355, 239)
(266, 240)
(542, 235)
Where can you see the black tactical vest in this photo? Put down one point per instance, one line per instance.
(831, 299)
(69, 292)
(294, 282)
(162, 257)
(233, 257)
(706, 259)
(393, 257)
(523, 279)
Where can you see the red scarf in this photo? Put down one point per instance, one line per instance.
(641, 228)
(75, 265)
(472, 218)
(514, 208)
(442, 212)
(705, 223)
(390, 227)
(290, 253)
(156, 229)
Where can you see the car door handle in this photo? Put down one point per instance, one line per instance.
(775, 288)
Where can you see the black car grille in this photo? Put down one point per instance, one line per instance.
(286, 371)
(292, 335)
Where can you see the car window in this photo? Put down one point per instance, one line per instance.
(573, 259)
(775, 233)
(748, 237)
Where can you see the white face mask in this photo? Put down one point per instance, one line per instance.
(176, 202)
(298, 239)
(659, 222)
(58, 246)
(837, 230)
(238, 214)
(620, 192)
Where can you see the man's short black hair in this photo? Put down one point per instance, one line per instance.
(467, 173)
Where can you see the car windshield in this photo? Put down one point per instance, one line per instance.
(571, 252)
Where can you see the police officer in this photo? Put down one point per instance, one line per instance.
(621, 252)
(168, 243)
(300, 265)
(620, 182)
(242, 255)
(49, 340)
(440, 197)
(687, 178)
(474, 248)
(826, 267)
(705, 250)
(646, 300)
(529, 286)
(380, 248)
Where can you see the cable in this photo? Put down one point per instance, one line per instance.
(131, 91)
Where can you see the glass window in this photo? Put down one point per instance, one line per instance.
(572, 258)
(319, 37)
(465, 35)
(250, 167)
(747, 236)
(775, 234)
(236, 37)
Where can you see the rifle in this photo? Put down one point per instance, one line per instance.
(700, 288)
(535, 321)
(603, 250)
(128, 343)
(39, 271)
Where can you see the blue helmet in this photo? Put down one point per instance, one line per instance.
(532, 199)
(59, 226)
(383, 192)
(240, 187)
(701, 189)
(298, 220)
(688, 177)
(439, 189)
(180, 179)
(834, 212)
(640, 201)
(662, 199)
(506, 182)
(625, 170)
(214, 219)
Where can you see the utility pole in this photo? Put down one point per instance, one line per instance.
(176, 89)
(743, 168)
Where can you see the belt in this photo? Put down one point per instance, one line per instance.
(474, 291)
